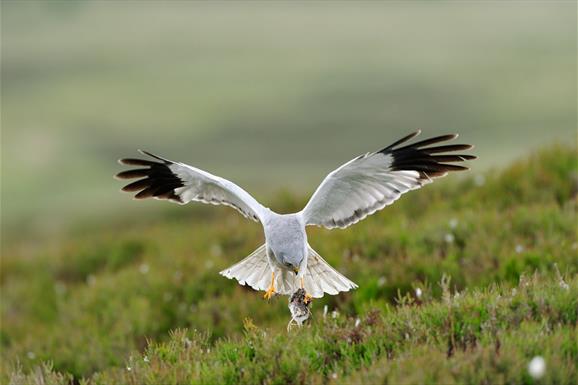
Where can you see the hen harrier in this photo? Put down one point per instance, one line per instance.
(355, 190)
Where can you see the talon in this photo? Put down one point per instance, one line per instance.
(269, 293)
(271, 290)
(308, 298)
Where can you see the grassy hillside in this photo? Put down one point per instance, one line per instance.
(142, 302)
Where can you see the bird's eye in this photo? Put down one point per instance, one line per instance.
(287, 264)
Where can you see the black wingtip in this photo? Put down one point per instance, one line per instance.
(402, 140)
(164, 160)
(430, 161)
(144, 152)
(154, 178)
(136, 162)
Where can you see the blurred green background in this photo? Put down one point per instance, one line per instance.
(274, 95)
(270, 95)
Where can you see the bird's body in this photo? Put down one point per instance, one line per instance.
(286, 261)
(281, 265)
(286, 241)
(286, 246)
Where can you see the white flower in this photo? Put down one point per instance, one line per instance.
(537, 367)
(418, 292)
(381, 281)
(325, 308)
(449, 238)
(357, 322)
(519, 249)
(31, 355)
(143, 268)
(145, 359)
(334, 375)
(334, 314)
(128, 368)
(453, 223)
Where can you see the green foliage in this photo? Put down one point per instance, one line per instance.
(143, 304)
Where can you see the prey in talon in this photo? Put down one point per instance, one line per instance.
(299, 307)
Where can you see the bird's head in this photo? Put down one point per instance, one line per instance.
(291, 260)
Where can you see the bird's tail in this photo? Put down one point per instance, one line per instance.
(320, 277)
(254, 270)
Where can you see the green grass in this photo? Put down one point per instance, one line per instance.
(88, 305)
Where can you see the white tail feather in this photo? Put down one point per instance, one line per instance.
(320, 277)
(254, 270)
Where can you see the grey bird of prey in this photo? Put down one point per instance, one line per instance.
(286, 261)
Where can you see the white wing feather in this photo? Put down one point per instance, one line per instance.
(374, 180)
(181, 183)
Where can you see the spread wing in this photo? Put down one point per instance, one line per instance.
(164, 179)
(374, 180)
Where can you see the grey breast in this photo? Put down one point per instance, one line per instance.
(286, 237)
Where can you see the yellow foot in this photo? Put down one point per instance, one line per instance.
(269, 293)
(271, 290)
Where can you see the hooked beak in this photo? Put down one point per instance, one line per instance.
(296, 270)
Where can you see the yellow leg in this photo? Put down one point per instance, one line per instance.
(308, 297)
(271, 290)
